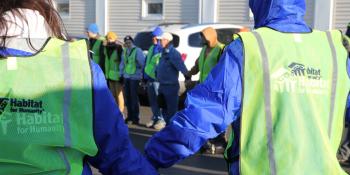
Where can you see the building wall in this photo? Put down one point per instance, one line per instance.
(125, 17)
(341, 16)
(234, 12)
(237, 12)
(310, 12)
(82, 13)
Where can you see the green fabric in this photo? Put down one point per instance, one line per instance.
(304, 140)
(130, 62)
(45, 109)
(112, 65)
(152, 62)
(96, 49)
(209, 62)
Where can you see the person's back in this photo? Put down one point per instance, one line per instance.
(283, 89)
(56, 113)
(294, 90)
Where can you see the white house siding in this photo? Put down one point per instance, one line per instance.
(82, 13)
(341, 16)
(310, 12)
(237, 12)
(125, 17)
(234, 12)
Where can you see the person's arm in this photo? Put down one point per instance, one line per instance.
(195, 69)
(347, 114)
(116, 154)
(210, 108)
(140, 57)
(176, 61)
(121, 65)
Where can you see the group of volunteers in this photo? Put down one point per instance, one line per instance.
(125, 67)
(282, 88)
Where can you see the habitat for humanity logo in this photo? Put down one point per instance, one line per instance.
(3, 121)
(25, 116)
(299, 78)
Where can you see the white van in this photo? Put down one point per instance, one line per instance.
(187, 41)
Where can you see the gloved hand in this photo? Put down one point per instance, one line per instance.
(188, 77)
(121, 80)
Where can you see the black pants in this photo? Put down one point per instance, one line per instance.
(132, 100)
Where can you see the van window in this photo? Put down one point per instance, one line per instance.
(195, 40)
(143, 40)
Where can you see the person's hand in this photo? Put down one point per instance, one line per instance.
(187, 77)
(121, 80)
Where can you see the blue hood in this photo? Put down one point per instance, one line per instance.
(281, 15)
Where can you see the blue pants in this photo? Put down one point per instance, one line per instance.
(132, 100)
(152, 92)
(171, 98)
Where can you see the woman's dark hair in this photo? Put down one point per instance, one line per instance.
(45, 7)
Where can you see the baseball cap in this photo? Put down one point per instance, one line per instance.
(128, 38)
(166, 36)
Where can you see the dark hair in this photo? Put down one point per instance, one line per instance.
(45, 7)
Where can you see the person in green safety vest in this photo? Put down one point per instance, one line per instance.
(96, 45)
(283, 89)
(209, 55)
(112, 54)
(153, 57)
(57, 115)
(208, 58)
(344, 150)
(131, 69)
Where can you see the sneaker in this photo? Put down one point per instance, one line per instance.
(150, 124)
(159, 125)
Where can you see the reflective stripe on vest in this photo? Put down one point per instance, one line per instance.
(295, 89)
(45, 109)
(209, 62)
(152, 62)
(130, 61)
(96, 49)
(112, 65)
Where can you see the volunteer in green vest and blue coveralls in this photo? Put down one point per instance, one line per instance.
(57, 115)
(208, 58)
(131, 69)
(153, 57)
(96, 45)
(283, 88)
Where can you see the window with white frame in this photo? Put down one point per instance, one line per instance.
(63, 7)
(152, 9)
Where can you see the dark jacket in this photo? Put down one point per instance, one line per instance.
(170, 64)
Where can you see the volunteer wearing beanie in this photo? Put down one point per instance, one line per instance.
(96, 47)
(131, 68)
(112, 54)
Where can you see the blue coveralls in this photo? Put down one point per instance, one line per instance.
(214, 105)
(167, 73)
(116, 154)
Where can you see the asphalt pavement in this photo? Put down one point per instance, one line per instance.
(199, 164)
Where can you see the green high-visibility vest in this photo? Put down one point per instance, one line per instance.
(112, 65)
(130, 61)
(209, 62)
(295, 92)
(152, 62)
(46, 112)
(96, 49)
